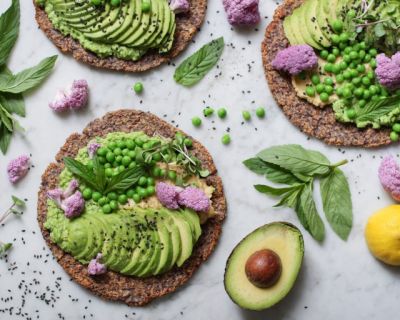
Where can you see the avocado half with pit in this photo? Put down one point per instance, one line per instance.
(263, 267)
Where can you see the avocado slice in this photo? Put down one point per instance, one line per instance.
(312, 25)
(151, 263)
(186, 238)
(287, 27)
(287, 242)
(298, 21)
(105, 23)
(165, 249)
(322, 20)
(193, 219)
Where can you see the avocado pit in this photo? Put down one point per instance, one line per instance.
(263, 268)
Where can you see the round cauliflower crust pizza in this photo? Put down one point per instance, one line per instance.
(132, 290)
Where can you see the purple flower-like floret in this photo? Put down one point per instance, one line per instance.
(168, 195)
(389, 175)
(95, 267)
(195, 199)
(71, 188)
(74, 97)
(73, 205)
(57, 195)
(18, 168)
(295, 59)
(179, 6)
(242, 12)
(388, 70)
(92, 149)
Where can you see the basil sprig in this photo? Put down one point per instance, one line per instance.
(298, 168)
(96, 179)
(194, 68)
(13, 86)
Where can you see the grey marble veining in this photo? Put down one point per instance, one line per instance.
(338, 281)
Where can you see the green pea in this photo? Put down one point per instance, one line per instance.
(337, 26)
(102, 201)
(130, 193)
(96, 196)
(354, 55)
(363, 45)
(87, 194)
(347, 93)
(260, 112)
(130, 144)
(351, 14)
(359, 92)
(347, 74)
(342, 45)
(146, 6)
(142, 181)
(361, 68)
(113, 205)
(112, 196)
(373, 63)
(339, 78)
(137, 198)
(156, 172)
(222, 113)
(150, 190)
(329, 90)
(343, 65)
(142, 192)
(320, 88)
(367, 58)
(172, 175)
(126, 160)
(122, 199)
(139, 141)
(125, 151)
(362, 103)
(328, 67)
(246, 115)
(324, 97)
(102, 152)
(310, 91)
(373, 52)
(107, 165)
(102, 160)
(366, 81)
(331, 58)
(356, 81)
(109, 172)
(351, 113)
(207, 112)
(146, 146)
(374, 89)
(396, 127)
(315, 79)
(367, 95)
(347, 58)
(90, 164)
(347, 50)
(370, 75)
(226, 139)
(394, 136)
(324, 54)
(344, 37)
(354, 73)
(151, 181)
(362, 54)
(106, 208)
(339, 91)
(115, 3)
(95, 2)
(118, 159)
(196, 121)
(336, 52)
(110, 157)
(138, 86)
(112, 145)
(353, 65)
(335, 39)
(328, 81)
(117, 151)
(336, 69)
(188, 142)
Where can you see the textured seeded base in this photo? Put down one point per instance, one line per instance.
(187, 26)
(113, 286)
(315, 122)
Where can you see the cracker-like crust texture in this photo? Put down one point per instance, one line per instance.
(315, 122)
(187, 26)
(113, 286)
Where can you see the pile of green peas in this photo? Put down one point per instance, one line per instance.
(119, 155)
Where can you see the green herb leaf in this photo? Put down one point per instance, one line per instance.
(9, 28)
(29, 78)
(378, 108)
(4, 247)
(296, 159)
(274, 191)
(308, 214)
(379, 30)
(290, 199)
(125, 179)
(13, 103)
(336, 199)
(6, 118)
(18, 202)
(82, 172)
(194, 68)
(5, 138)
(100, 174)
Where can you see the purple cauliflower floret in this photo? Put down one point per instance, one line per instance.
(179, 6)
(195, 199)
(74, 97)
(95, 267)
(242, 12)
(92, 149)
(388, 70)
(389, 175)
(18, 168)
(168, 195)
(295, 59)
(73, 205)
(57, 195)
(71, 188)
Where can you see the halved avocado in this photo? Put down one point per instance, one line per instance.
(286, 241)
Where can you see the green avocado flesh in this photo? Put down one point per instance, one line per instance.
(135, 240)
(122, 31)
(287, 242)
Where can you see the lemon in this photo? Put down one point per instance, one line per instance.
(382, 234)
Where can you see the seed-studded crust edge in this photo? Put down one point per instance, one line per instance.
(315, 122)
(113, 286)
(187, 26)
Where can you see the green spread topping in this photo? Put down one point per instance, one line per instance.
(124, 29)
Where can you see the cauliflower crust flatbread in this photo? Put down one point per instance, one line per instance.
(187, 26)
(315, 122)
(114, 286)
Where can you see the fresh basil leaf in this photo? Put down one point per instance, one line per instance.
(5, 138)
(290, 199)
(274, 191)
(100, 174)
(6, 118)
(18, 202)
(9, 28)
(29, 78)
(336, 199)
(378, 108)
(256, 165)
(4, 247)
(13, 103)
(125, 179)
(194, 68)
(379, 30)
(308, 214)
(82, 172)
(296, 159)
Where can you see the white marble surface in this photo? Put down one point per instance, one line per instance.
(338, 281)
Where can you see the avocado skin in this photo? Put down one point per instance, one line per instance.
(123, 31)
(263, 229)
